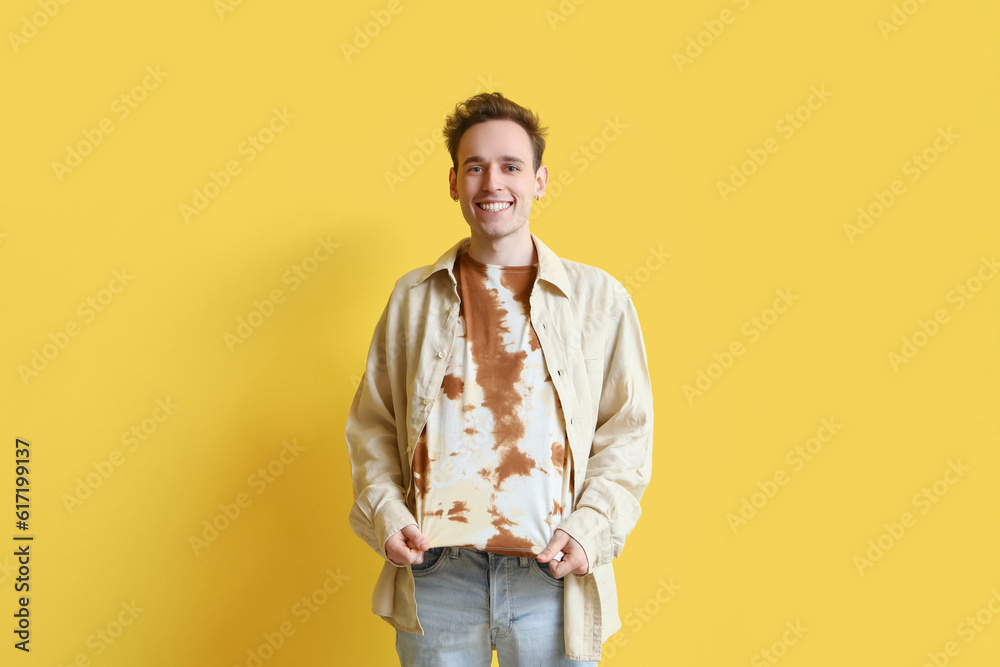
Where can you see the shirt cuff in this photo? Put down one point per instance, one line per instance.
(593, 531)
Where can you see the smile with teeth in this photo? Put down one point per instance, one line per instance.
(494, 207)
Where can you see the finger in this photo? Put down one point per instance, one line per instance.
(418, 546)
(397, 548)
(556, 544)
(574, 562)
(412, 531)
(415, 539)
(401, 555)
(551, 558)
(562, 568)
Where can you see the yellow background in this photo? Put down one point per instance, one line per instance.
(653, 188)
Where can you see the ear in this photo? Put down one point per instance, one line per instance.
(452, 183)
(541, 180)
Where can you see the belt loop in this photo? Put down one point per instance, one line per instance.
(453, 551)
(523, 560)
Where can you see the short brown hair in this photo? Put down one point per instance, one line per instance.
(493, 106)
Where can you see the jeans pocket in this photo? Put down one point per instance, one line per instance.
(433, 557)
(543, 571)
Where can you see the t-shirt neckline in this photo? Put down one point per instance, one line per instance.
(476, 264)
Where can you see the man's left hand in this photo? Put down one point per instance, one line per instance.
(574, 557)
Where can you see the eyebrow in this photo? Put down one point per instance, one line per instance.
(503, 158)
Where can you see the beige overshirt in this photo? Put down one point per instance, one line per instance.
(589, 334)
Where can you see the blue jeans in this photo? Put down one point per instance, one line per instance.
(470, 602)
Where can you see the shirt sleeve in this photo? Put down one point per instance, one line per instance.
(620, 461)
(377, 456)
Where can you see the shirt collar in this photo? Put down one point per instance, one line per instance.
(550, 267)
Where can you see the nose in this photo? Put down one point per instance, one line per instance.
(492, 182)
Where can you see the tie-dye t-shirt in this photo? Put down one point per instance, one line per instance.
(490, 469)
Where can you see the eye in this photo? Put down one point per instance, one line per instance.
(514, 167)
(473, 169)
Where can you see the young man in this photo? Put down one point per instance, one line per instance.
(501, 437)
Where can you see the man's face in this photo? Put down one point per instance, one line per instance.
(494, 181)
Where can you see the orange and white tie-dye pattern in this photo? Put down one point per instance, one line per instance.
(490, 469)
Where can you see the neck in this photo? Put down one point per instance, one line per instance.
(515, 250)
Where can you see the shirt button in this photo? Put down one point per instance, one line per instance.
(425, 401)
(440, 355)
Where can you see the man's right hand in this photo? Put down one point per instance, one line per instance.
(407, 546)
